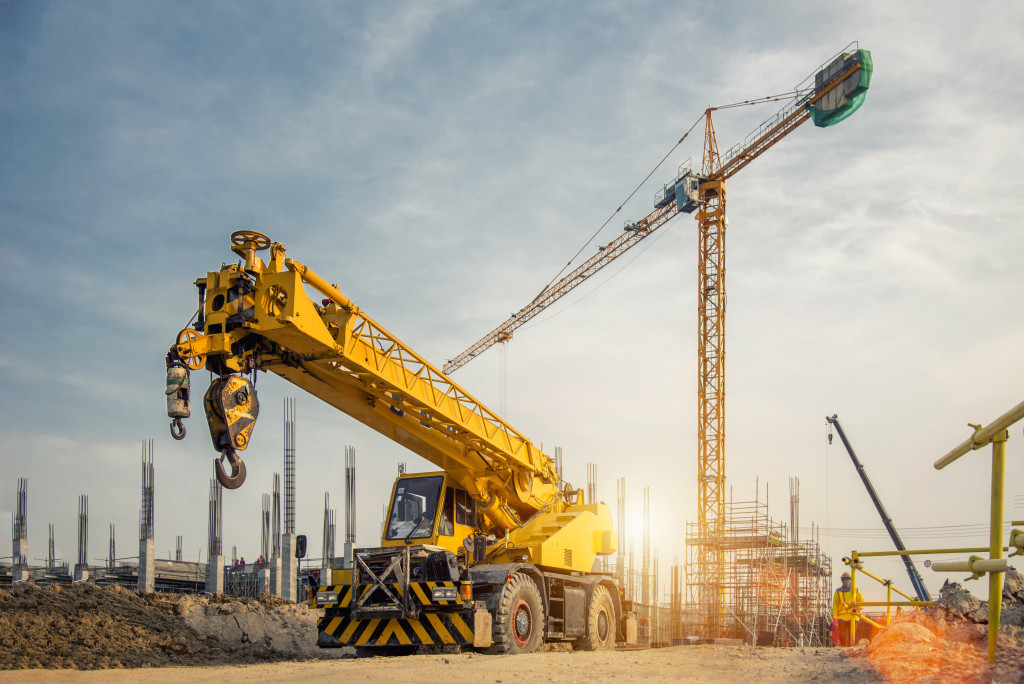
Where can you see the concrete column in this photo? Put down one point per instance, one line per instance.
(81, 572)
(263, 580)
(147, 566)
(347, 561)
(289, 568)
(215, 575)
(19, 562)
(274, 568)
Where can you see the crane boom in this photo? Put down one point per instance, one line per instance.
(915, 577)
(336, 351)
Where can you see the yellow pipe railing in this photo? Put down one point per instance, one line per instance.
(856, 565)
(996, 434)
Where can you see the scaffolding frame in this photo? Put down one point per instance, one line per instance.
(775, 590)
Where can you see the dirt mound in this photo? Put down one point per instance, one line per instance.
(949, 643)
(84, 626)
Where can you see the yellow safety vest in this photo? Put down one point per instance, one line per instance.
(841, 609)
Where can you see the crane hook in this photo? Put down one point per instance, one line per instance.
(237, 477)
(177, 429)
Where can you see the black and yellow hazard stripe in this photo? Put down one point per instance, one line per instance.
(421, 592)
(344, 595)
(430, 629)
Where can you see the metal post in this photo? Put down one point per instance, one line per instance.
(888, 600)
(995, 579)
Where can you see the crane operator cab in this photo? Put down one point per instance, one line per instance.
(429, 509)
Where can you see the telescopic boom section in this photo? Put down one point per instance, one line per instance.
(260, 317)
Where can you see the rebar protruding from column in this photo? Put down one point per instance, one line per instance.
(289, 466)
(51, 560)
(794, 510)
(265, 527)
(559, 468)
(350, 494)
(631, 575)
(19, 526)
(645, 576)
(112, 551)
(655, 615)
(401, 469)
(177, 549)
(216, 519)
(146, 514)
(83, 530)
(327, 556)
(676, 603)
(591, 483)
(275, 536)
(620, 565)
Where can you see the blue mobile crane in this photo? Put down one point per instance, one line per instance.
(915, 578)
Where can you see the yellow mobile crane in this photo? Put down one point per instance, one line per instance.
(487, 552)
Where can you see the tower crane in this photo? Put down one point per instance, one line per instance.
(834, 91)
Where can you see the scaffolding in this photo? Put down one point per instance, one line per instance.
(775, 590)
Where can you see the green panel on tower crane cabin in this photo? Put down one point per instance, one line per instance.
(847, 97)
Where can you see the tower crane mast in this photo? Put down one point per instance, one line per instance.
(828, 96)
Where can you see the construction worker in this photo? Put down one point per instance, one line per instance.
(842, 611)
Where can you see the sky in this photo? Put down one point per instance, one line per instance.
(442, 162)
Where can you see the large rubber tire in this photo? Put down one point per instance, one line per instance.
(600, 622)
(519, 621)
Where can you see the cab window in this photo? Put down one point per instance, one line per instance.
(447, 513)
(464, 508)
(415, 505)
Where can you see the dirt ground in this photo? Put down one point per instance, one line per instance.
(680, 664)
(85, 633)
(86, 627)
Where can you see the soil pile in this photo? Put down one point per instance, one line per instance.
(84, 626)
(949, 643)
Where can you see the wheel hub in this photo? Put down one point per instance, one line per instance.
(522, 623)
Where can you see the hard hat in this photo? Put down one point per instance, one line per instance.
(845, 575)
